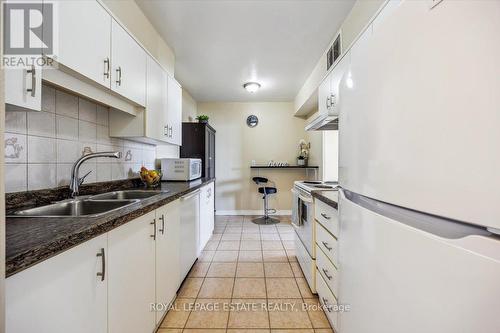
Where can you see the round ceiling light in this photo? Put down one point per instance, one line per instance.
(251, 87)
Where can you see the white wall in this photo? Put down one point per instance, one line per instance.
(275, 138)
(330, 153)
(189, 107)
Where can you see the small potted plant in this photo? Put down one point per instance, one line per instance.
(203, 119)
(303, 152)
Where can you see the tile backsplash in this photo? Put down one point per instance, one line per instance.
(41, 147)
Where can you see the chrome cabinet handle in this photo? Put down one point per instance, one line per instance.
(171, 132)
(327, 247)
(325, 216)
(332, 100)
(165, 130)
(329, 277)
(154, 229)
(119, 72)
(102, 273)
(32, 90)
(325, 302)
(106, 68)
(328, 103)
(162, 219)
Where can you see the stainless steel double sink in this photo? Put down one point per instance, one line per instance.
(92, 206)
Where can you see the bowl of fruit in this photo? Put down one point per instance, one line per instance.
(150, 178)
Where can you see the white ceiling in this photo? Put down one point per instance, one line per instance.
(219, 45)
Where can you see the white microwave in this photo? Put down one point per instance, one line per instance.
(184, 169)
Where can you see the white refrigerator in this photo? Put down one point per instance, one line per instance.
(419, 164)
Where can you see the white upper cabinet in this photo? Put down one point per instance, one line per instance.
(161, 121)
(324, 95)
(128, 63)
(23, 86)
(66, 293)
(84, 43)
(174, 113)
(156, 103)
(131, 289)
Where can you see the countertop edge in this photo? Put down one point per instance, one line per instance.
(41, 253)
(320, 196)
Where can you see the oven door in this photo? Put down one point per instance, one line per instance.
(303, 219)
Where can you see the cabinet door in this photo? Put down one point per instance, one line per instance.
(211, 155)
(23, 85)
(174, 114)
(84, 43)
(190, 220)
(132, 276)
(167, 255)
(128, 60)
(156, 102)
(61, 294)
(324, 96)
(206, 214)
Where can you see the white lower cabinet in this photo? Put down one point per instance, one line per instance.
(131, 271)
(327, 262)
(328, 301)
(62, 294)
(167, 256)
(190, 231)
(108, 284)
(207, 216)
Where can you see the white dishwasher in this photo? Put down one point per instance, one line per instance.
(190, 230)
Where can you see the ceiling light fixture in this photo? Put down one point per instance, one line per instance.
(251, 87)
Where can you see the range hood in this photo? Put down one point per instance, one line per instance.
(324, 122)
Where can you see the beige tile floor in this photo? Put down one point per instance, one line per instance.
(247, 280)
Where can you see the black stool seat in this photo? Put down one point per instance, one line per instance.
(258, 180)
(268, 190)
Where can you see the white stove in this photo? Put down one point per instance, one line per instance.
(303, 223)
(315, 185)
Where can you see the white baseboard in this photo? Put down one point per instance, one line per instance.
(251, 212)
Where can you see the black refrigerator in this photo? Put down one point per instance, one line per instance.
(198, 141)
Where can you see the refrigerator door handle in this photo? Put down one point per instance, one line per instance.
(438, 226)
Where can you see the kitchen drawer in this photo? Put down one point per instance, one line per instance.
(327, 271)
(327, 243)
(327, 216)
(307, 264)
(328, 301)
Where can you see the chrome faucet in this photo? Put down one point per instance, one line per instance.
(76, 181)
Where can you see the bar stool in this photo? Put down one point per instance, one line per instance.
(266, 191)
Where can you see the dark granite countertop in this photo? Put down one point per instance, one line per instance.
(30, 240)
(329, 197)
